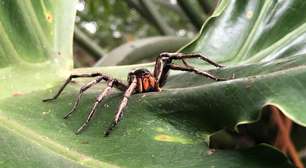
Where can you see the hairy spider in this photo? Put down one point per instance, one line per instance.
(139, 81)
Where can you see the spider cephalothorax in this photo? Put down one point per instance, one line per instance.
(146, 82)
(139, 81)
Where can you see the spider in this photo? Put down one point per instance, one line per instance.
(139, 81)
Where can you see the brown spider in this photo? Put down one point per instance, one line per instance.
(139, 81)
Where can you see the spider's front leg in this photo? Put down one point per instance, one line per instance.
(100, 77)
(68, 80)
(123, 104)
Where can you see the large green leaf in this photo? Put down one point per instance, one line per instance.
(36, 40)
(166, 129)
(264, 48)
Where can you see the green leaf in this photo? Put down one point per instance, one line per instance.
(166, 129)
(265, 51)
(36, 44)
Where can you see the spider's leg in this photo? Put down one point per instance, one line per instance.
(163, 62)
(161, 70)
(182, 56)
(95, 105)
(122, 105)
(82, 90)
(192, 69)
(68, 81)
(203, 57)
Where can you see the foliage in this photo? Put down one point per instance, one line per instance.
(116, 22)
(263, 49)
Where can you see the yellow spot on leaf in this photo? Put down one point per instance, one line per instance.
(160, 129)
(174, 139)
(49, 85)
(49, 17)
(17, 93)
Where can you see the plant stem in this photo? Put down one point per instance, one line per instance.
(284, 136)
(143, 13)
(159, 21)
(148, 11)
(195, 17)
(87, 43)
(206, 7)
